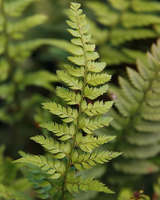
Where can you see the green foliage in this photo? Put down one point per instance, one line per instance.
(70, 150)
(15, 48)
(137, 119)
(11, 187)
(123, 21)
(127, 194)
(157, 189)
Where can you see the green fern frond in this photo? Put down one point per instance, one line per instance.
(89, 126)
(77, 72)
(59, 149)
(69, 151)
(68, 113)
(86, 160)
(89, 142)
(123, 21)
(74, 184)
(93, 92)
(51, 166)
(15, 8)
(72, 82)
(26, 24)
(98, 107)
(63, 131)
(71, 97)
(141, 129)
(136, 167)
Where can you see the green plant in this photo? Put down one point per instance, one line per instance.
(127, 194)
(136, 122)
(11, 187)
(15, 48)
(124, 24)
(73, 146)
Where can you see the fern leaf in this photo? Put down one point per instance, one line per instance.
(119, 36)
(93, 93)
(146, 126)
(98, 79)
(76, 72)
(63, 131)
(24, 25)
(89, 126)
(141, 152)
(119, 122)
(144, 71)
(49, 165)
(86, 185)
(68, 114)
(77, 78)
(141, 6)
(137, 80)
(16, 7)
(71, 97)
(134, 19)
(96, 66)
(74, 84)
(86, 160)
(130, 93)
(149, 114)
(97, 108)
(42, 78)
(4, 70)
(90, 142)
(54, 147)
(144, 167)
(143, 138)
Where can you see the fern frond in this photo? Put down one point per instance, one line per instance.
(50, 166)
(77, 72)
(141, 152)
(74, 84)
(143, 138)
(16, 7)
(141, 126)
(71, 97)
(98, 107)
(124, 22)
(59, 149)
(63, 131)
(89, 142)
(98, 79)
(74, 184)
(136, 167)
(25, 24)
(89, 126)
(96, 66)
(141, 6)
(68, 114)
(83, 117)
(93, 92)
(86, 160)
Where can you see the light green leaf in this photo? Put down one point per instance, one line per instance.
(71, 97)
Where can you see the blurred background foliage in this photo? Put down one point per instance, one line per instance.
(34, 43)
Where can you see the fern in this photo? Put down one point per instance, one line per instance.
(123, 21)
(15, 49)
(11, 187)
(71, 150)
(138, 121)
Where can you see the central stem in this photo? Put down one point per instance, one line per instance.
(80, 108)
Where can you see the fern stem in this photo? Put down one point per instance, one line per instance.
(80, 109)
